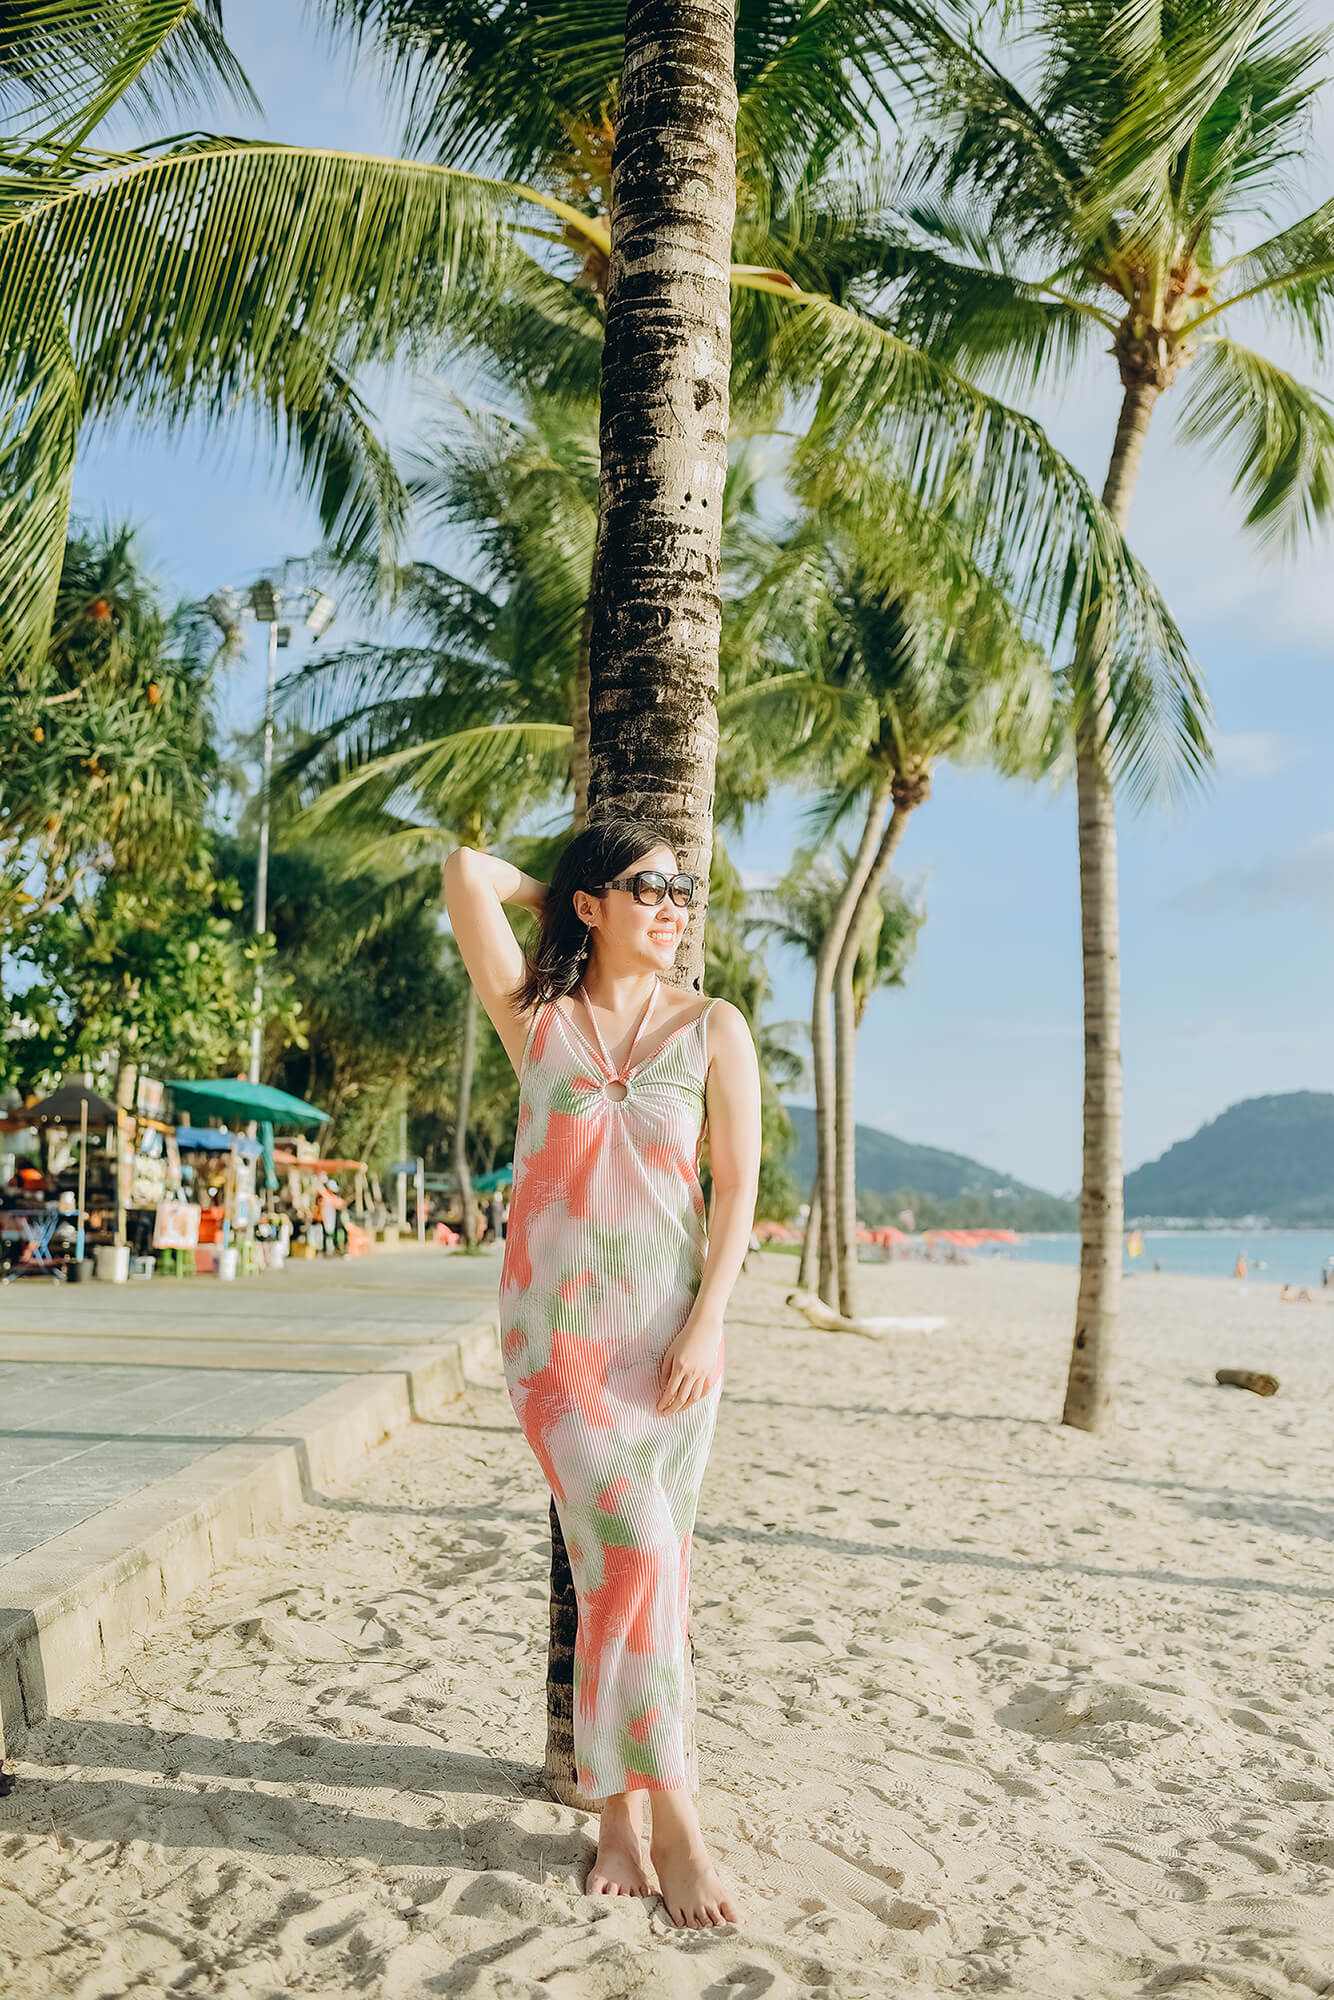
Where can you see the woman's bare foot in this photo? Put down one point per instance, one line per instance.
(692, 1888)
(618, 1869)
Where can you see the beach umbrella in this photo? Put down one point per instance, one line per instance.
(233, 1097)
(72, 1104)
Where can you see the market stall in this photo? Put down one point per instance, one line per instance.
(249, 1208)
(333, 1203)
(63, 1196)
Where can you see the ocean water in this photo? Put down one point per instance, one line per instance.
(1273, 1256)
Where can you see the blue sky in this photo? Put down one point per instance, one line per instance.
(1227, 901)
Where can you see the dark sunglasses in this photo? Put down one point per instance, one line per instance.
(649, 886)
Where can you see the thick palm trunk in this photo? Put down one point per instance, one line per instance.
(655, 605)
(908, 794)
(1090, 1384)
(822, 1041)
(467, 1059)
(579, 720)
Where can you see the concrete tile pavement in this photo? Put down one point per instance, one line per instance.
(144, 1428)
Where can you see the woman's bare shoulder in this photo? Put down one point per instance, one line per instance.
(727, 1023)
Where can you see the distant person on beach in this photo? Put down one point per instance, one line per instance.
(1239, 1268)
(612, 1294)
(1291, 1297)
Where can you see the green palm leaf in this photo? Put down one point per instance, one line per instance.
(1292, 270)
(1278, 433)
(169, 287)
(441, 775)
(67, 63)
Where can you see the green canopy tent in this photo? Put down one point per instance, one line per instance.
(488, 1183)
(233, 1097)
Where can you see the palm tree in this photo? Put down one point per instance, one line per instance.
(655, 610)
(180, 280)
(1109, 203)
(797, 913)
(440, 740)
(913, 653)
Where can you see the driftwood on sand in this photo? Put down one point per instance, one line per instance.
(820, 1315)
(1246, 1378)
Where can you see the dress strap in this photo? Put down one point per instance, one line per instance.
(628, 1064)
(702, 1022)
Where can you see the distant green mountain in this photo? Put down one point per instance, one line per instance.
(1269, 1156)
(943, 1189)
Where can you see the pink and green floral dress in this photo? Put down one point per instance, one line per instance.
(602, 1263)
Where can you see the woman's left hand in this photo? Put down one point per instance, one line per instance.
(687, 1369)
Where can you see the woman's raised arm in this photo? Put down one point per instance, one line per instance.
(476, 886)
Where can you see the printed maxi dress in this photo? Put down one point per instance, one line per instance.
(602, 1263)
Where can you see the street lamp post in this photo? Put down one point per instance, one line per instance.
(262, 864)
(264, 600)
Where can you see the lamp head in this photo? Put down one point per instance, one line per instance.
(321, 615)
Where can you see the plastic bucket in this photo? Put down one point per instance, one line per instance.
(225, 1266)
(111, 1261)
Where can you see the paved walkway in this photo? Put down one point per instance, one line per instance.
(106, 1389)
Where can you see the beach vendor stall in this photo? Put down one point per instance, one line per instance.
(244, 1209)
(58, 1202)
(218, 1173)
(331, 1202)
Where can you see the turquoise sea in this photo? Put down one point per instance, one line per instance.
(1273, 1256)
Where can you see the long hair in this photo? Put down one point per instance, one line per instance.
(610, 846)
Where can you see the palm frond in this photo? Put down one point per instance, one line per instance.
(450, 776)
(1174, 72)
(39, 429)
(70, 62)
(222, 271)
(951, 444)
(1278, 433)
(1292, 271)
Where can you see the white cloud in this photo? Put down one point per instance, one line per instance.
(1257, 753)
(1301, 875)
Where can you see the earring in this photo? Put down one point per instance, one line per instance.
(584, 948)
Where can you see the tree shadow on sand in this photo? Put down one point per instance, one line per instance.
(220, 1803)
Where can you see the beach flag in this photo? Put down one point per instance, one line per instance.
(1134, 1244)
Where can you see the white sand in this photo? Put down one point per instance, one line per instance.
(985, 1704)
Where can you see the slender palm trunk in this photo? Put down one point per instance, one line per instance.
(655, 604)
(656, 618)
(822, 1041)
(463, 1104)
(907, 796)
(810, 1240)
(1090, 1384)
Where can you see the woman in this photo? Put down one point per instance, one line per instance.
(612, 1296)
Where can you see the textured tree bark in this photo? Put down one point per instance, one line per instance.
(579, 720)
(655, 608)
(822, 1041)
(909, 793)
(653, 655)
(467, 1059)
(1090, 1384)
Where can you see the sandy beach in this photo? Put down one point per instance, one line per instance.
(984, 1704)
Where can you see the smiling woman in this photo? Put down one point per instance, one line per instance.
(613, 1291)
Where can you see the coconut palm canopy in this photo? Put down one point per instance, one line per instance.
(143, 284)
